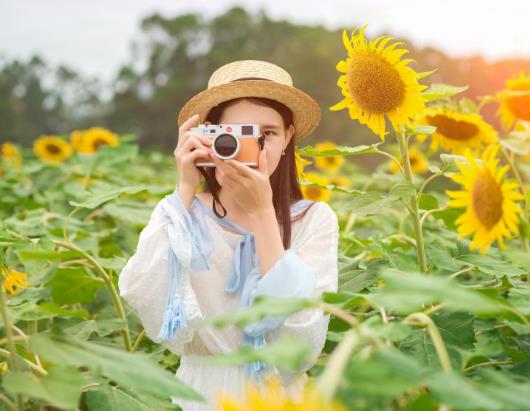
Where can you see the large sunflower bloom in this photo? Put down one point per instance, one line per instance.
(272, 397)
(11, 154)
(514, 101)
(52, 148)
(330, 164)
(376, 82)
(14, 281)
(491, 211)
(315, 193)
(418, 162)
(88, 141)
(457, 131)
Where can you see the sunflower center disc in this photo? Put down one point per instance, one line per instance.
(451, 128)
(53, 149)
(487, 200)
(374, 83)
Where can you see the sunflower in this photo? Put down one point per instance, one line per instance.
(11, 154)
(330, 164)
(88, 141)
(514, 101)
(300, 163)
(376, 82)
(491, 212)
(272, 397)
(14, 281)
(315, 193)
(52, 148)
(457, 131)
(418, 162)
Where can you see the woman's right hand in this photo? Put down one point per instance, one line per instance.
(190, 146)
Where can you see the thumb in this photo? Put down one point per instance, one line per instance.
(263, 166)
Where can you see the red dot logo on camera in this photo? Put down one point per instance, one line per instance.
(229, 129)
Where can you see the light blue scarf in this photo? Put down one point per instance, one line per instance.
(244, 272)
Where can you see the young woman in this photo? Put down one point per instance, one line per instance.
(192, 262)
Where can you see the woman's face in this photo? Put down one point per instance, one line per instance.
(271, 125)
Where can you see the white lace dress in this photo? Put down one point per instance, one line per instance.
(143, 283)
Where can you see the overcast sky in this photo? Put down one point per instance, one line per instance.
(93, 36)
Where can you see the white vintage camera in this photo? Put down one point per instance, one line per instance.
(241, 142)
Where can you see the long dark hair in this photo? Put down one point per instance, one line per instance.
(284, 180)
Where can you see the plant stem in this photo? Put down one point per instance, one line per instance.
(110, 285)
(329, 380)
(420, 245)
(9, 335)
(424, 320)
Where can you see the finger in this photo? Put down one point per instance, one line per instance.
(193, 142)
(195, 154)
(188, 123)
(203, 139)
(241, 169)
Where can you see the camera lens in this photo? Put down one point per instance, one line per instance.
(225, 145)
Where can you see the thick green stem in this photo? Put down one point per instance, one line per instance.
(110, 285)
(329, 380)
(9, 335)
(414, 212)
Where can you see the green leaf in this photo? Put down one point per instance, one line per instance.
(262, 306)
(61, 387)
(421, 130)
(134, 370)
(437, 91)
(73, 285)
(339, 150)
(494, 392)
(330, 187)
(408, 292)
(496, 265)
(288, 352)
(388, 372)
(428, 202)
(402, 190)
(96, 199)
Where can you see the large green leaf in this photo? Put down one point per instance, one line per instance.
(408, 292)
(133, 370)
(73, 285)
(339, 150)
(95, 199)
(61, 387)
(287, 352)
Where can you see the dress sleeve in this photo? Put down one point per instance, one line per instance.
(144, 282)
(307, 269)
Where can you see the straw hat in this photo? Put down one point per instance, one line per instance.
(255, 78)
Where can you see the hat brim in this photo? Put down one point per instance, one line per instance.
(306, 111)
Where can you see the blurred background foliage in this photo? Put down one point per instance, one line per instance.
(172, 60)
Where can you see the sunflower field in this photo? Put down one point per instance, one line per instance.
(433, 306)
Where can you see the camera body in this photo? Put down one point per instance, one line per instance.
(241, 142)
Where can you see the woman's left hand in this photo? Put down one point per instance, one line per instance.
(250, 187)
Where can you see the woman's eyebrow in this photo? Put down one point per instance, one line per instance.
(273, 126)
